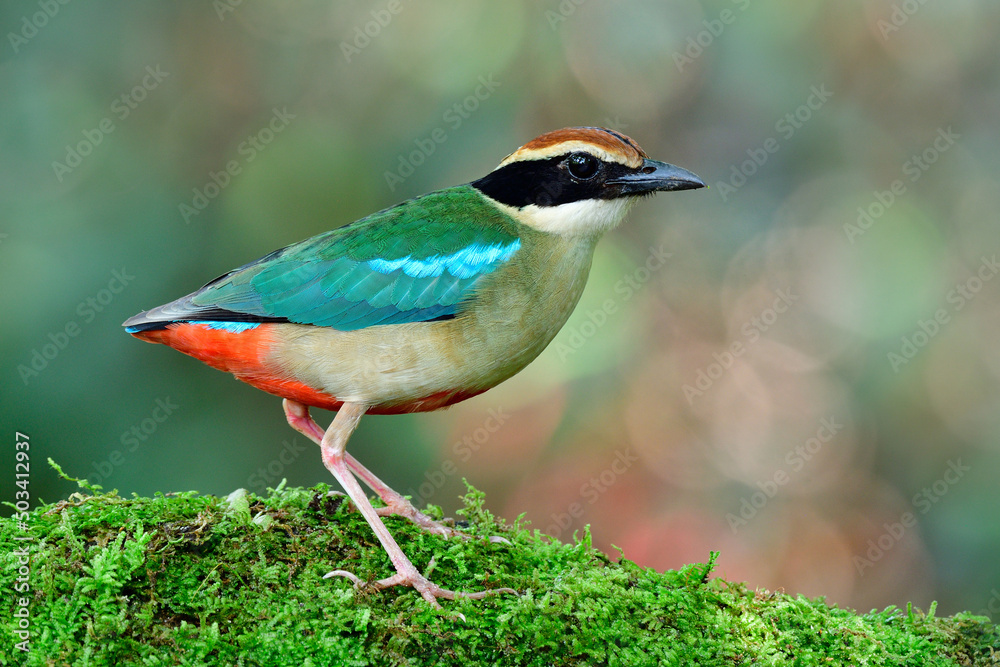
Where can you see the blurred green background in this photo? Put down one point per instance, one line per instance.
(808, 383)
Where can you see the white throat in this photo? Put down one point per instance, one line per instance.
(587, 217)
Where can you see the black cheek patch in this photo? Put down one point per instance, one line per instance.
(547, 183)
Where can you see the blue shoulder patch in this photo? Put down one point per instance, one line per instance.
(464, 263)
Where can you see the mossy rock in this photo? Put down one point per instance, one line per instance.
(197, 580)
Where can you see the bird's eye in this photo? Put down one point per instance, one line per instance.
(582, 165)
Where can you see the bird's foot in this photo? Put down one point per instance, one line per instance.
(430, 591)
(407, 510)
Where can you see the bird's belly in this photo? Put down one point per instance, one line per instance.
(422, 366)
(324, 368)
(402, 368)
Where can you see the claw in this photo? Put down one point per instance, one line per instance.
(427, 588)
(348, 575)
(408, 511)
(430, 525)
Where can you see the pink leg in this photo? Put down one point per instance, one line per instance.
(333, 446)
(299, 419)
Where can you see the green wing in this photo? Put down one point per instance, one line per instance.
(414, 262)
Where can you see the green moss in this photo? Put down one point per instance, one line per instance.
(195, 580)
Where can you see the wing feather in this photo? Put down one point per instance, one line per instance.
(415, 262)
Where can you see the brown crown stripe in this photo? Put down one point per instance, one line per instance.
(613, 142)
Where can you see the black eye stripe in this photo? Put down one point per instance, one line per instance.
(549, 182)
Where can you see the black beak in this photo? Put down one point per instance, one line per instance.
(655, 176)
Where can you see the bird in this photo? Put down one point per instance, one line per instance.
(418, 306)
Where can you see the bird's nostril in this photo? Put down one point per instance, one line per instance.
(648, 170)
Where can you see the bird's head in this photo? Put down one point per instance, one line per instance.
(579, 180)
